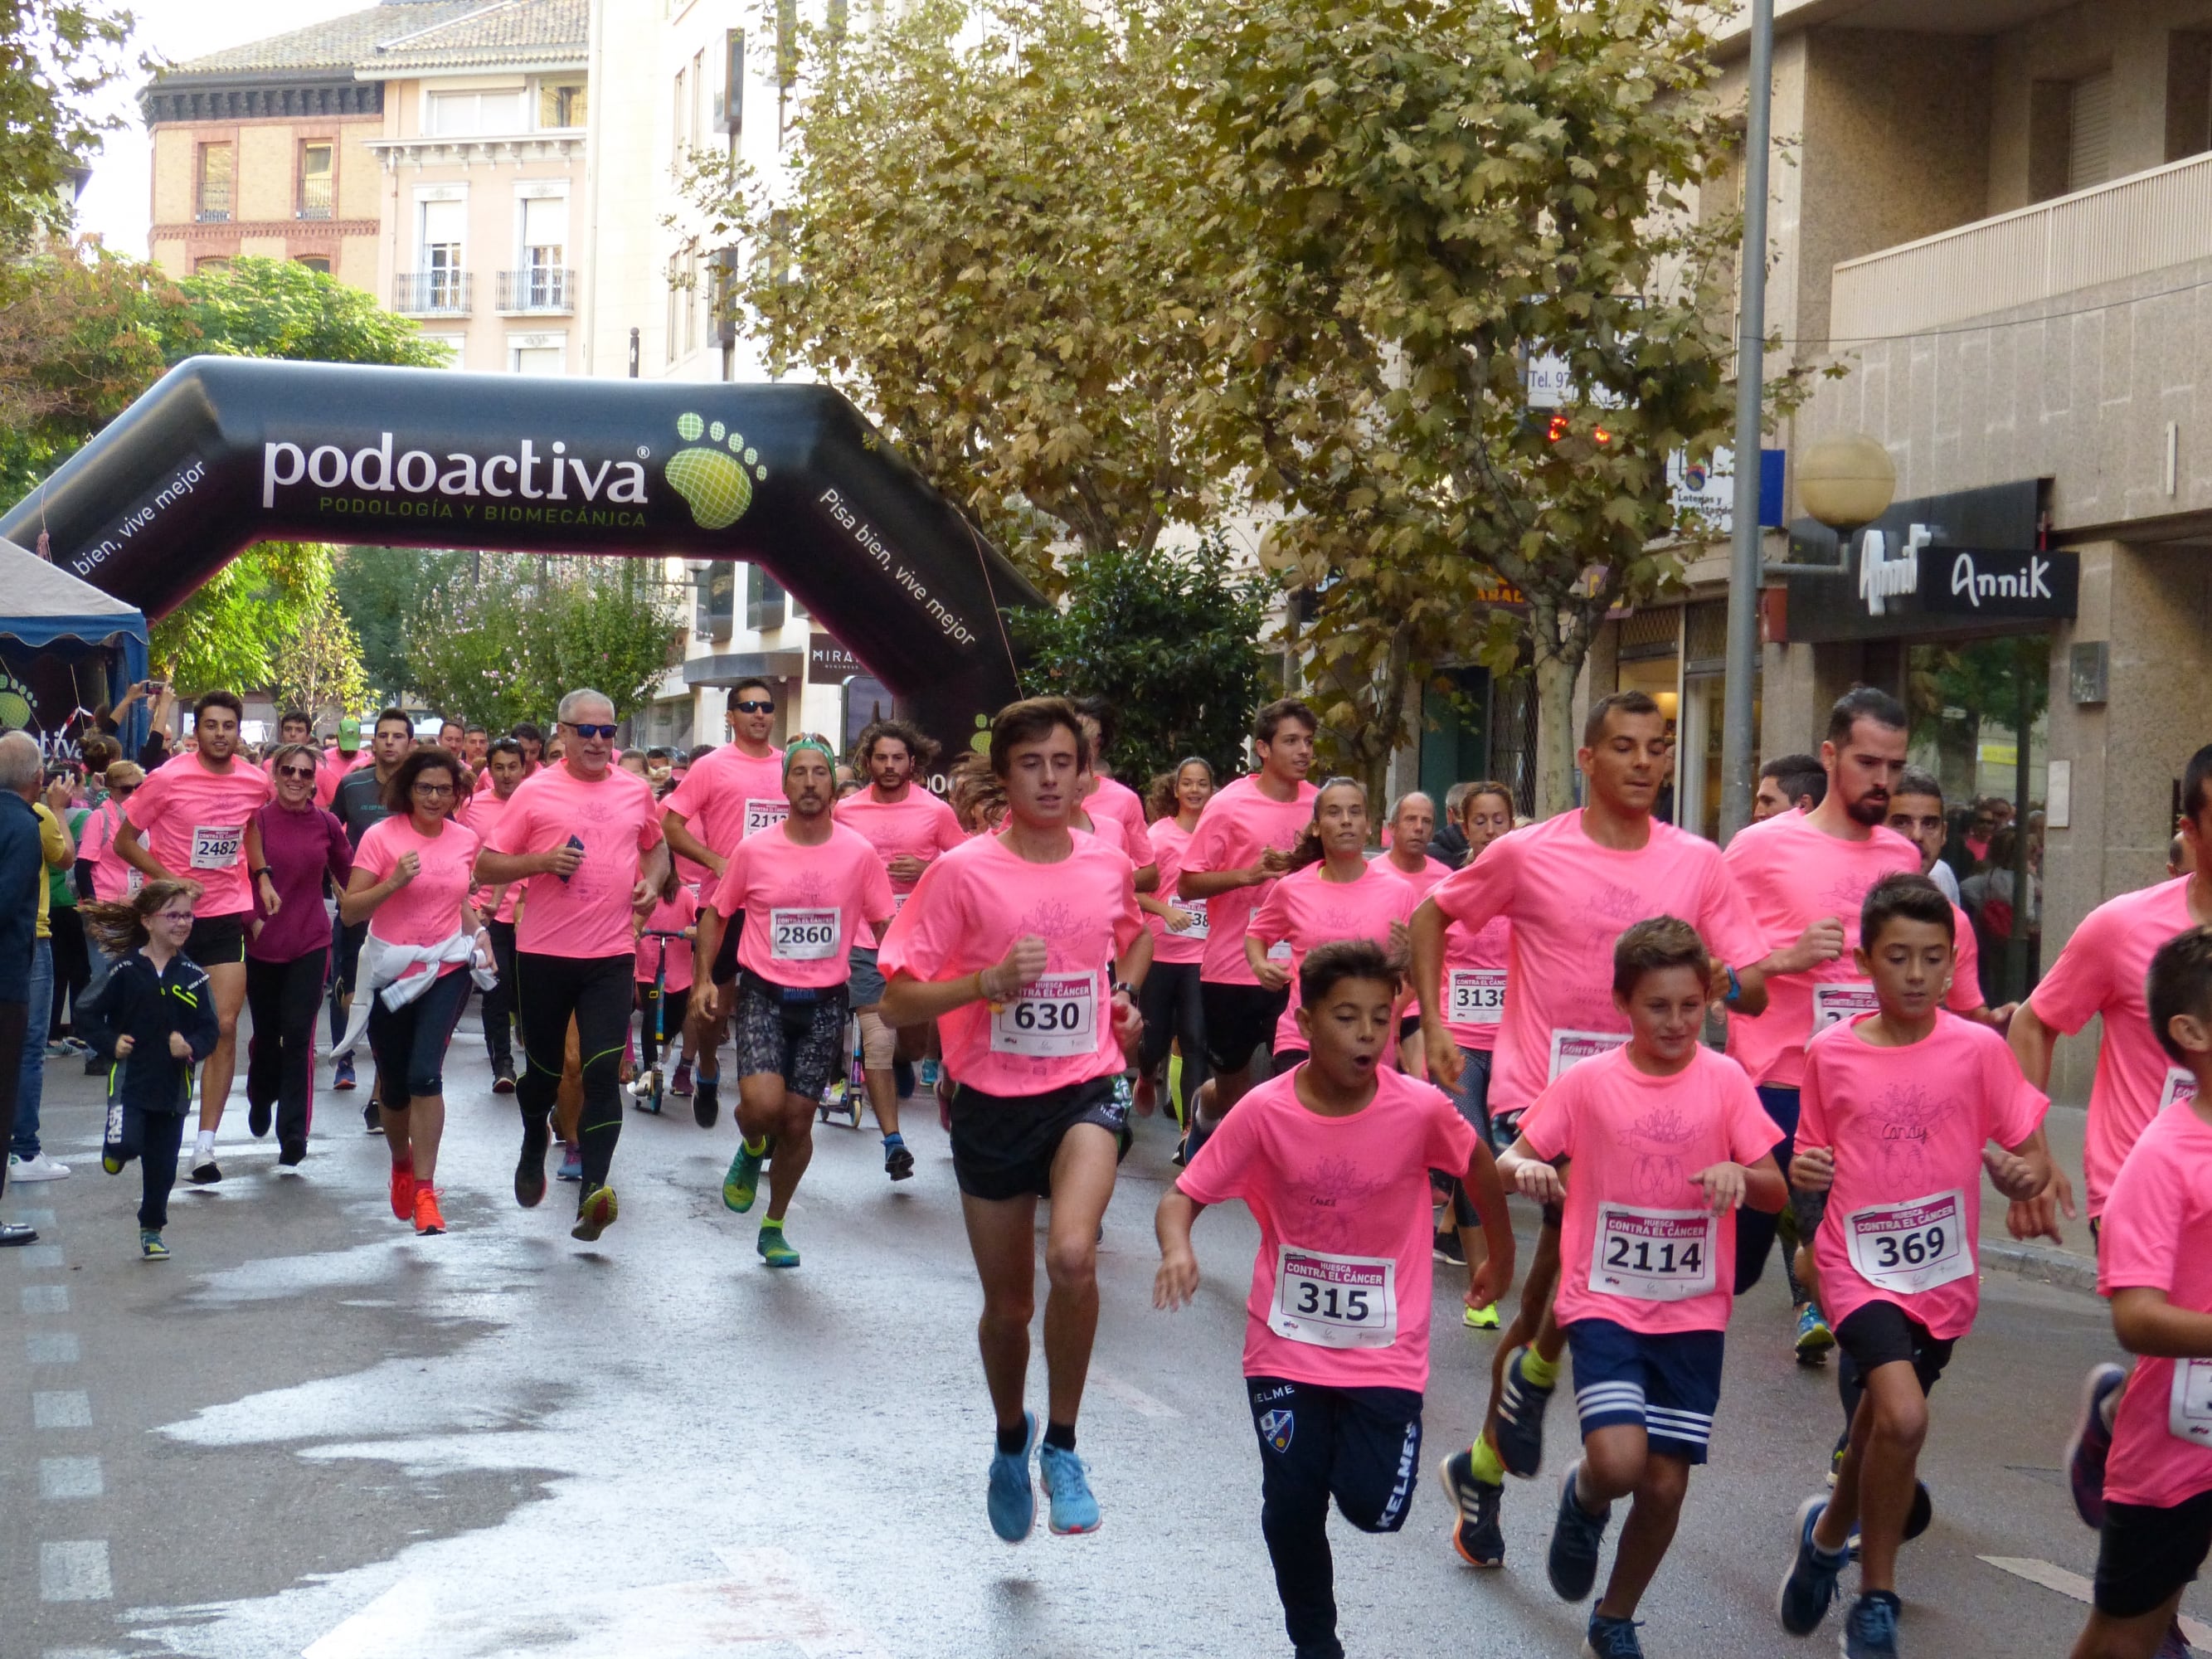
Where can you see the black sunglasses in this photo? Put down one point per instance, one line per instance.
(751, 707)
(590, 731)
(295, 771)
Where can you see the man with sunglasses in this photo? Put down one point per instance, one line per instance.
(735, 791)
(585, 838)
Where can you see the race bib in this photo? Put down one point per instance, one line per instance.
(1334, 1301)
(2181, 1085)
(1279, 952)
(898, 902)
(1476, 996)
(1840, 1000)
(1570, 1049)
(2188, 1408)
(805, 935)
(216, 846)
(764, 814)
(1197, 930)
(133, 879)
(1912, 1246)
(1653, 1255)
(1055, 1015)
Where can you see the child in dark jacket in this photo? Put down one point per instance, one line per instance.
(154, 1017)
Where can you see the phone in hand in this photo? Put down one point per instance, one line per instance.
(576, 842)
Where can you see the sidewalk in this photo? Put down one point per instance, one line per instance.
(2073, 1263)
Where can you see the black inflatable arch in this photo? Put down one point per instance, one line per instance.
(225, 451)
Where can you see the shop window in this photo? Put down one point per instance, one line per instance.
(315, 180)
(212, 204)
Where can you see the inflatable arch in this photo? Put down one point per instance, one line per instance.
(225, 451)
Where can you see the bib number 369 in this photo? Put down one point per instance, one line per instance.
(1334, 1301)
(1911, 1247)
(1055, 1016)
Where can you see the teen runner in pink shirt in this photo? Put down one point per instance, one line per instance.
(664, 997)
(1662, 1140)
(1899, 1108)
(1475, 966)
(1110, 798)
(1024, 946)
(1405, 852)
(802, 894)
(1172, 1005)
(1332, 1160)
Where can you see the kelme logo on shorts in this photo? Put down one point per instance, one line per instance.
(715, 478)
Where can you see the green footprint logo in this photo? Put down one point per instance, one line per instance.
(981, 742)
(716, 481)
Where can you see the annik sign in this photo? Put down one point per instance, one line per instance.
(1903, 585)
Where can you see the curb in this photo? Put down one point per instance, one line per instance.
(2061, 1267)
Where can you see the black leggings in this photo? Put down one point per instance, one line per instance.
(498, 1003)
(410, 1041)
(280, 1061)
(160, 1136)
(1174, 1012)
(597, 992)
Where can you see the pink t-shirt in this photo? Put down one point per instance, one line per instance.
(1343, 1208)
(428, 910)
(1792, 874)
(1665, 1262)
(918, 826)
(2101, 971)
(1238, 825)
(805, 907)
(112, 879)
(971, 907)
(1114, 799)
(671, 915)
(2157, 1235)
(482, 813)
(1431, 871)
(730, 795)
(1304, 909)
(193, 819)
(1168, 840)
(1477, 967)
(1907, 1126)
(617, 818)
(1570, 900)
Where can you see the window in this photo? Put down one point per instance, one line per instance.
(440, 265)
(535, 360)
(216, 161)
(690, 302)
(679, 140)
(698, 95)
(541, 282)
(764, 598)
(675, 288)
(466, 114)
(2089, 132)
(561, 104)
(315, 160)
(213, 262)
(314, 262)
(730, 103)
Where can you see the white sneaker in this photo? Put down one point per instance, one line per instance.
(41, 1168)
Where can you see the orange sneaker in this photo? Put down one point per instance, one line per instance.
(427, 1220)
(403, 1191)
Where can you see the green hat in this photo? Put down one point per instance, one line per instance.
(798, 745)
(349, 736)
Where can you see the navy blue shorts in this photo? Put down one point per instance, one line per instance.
(1669, 1384)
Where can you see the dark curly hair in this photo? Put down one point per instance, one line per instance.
(399, 788)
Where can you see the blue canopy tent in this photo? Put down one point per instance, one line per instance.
(65, 648)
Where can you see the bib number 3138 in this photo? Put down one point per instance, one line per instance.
(1912, 1246)
(1055, 1016)
(1476, 996)
(1334, 1301)
(1653, 1255)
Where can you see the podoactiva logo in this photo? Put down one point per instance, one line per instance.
(715, 477)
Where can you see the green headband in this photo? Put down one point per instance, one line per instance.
(799, 745)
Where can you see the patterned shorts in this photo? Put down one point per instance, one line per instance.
(800, 1038)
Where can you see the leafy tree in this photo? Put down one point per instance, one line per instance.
(54, 56)
(320, 666)
(1172, 640)
(381, 589)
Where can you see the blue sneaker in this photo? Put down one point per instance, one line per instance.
(1870, 1627)
(1611, 1639)
(1571, 1563)
(572, 1161)
(1521, 1420)
(342, 1077)
(1810, 1589)
(1073, 1508)
(2092, 1443)
(1013, 1499)
(1814, 1338)
(1475, 1532)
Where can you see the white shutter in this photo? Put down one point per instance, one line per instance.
(2089, 132)
(546, 225)
(442, 222)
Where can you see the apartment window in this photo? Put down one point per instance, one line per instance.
(540, 282)
(764, 599)
(441, 267)
(729, 102)
(698, 95)
(314, 262)
(467, 114)
(561, 104)
(534, 360)
(315, 179)
(679, 139)
(2089, 131)
(675, 287)
(692, 302)
(216, 164)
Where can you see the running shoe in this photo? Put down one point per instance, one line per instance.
(110, 1161)
(595, 1214)
(371, 1121)
(530, 1167)
(1446, 1248)
(680, 1082)
(899, 1163)
(207, 1173)
(1611, 1639)
(1066, 1484)
(742, 1182)
(427, 1220)
(257, 1118)
(503, 1082)
(151, 1248)
(1870, 1627)
(1521, 1420)
(342, 1077)
(1480, 1319)
(707, 1104)
(403, 1191)
(1809, 1588)
(1814, 1338)
(774, 1249)
(37, 1166)
(1571, 1562)
(2092, 1443)
(291, 1154)
(1012, 1500)
(1475, 1532)
(572, 1161)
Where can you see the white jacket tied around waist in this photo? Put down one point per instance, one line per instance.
(400, 972)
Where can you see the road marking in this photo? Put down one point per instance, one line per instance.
(46, 1298)
(2074, 1584)
(35, 1218)
(61, 1408)
(51, 1347)
(75, 1572)
(70, 1477)
(1131, 1396)
(39, 1258)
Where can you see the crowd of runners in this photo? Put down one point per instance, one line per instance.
(1679, 1056)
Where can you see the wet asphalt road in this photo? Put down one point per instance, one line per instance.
(311, 1434)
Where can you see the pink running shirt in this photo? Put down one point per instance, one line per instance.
(1343, 1205)
(112, 879)
(1238, 825)
(193, 821)
(1476, 972)
(1304, 909)
(805, 907)
(1168, 838)
(1114, 799)
(617, 818)
(428, 910)
(1422, 880)
(1568, 900)
(2101, 971)
(971, 907)
(672, 915)
(730, 795)
(919, 825)
(1668, 1263)
(1907, 1126)
(482, 813)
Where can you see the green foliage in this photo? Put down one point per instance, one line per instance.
(231, 632)
(381, 589)
(319, 667)
(1169, 640)
(54, 56)
(280, 308)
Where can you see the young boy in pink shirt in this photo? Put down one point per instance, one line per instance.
(1651, 1147)
(1899, 1108)
(1332, 1160)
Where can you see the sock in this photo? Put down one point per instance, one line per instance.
(700, 1074)
(1011, 1441)
(203, 1147)
(1487, 1468)
(757, 1144)
(1060, 1435)
(771, 1226)
(1542, 1372)
(894, 1138)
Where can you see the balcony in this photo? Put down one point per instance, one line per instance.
(433, 294)
(315, 196)
(540, 289)
(2141, 223)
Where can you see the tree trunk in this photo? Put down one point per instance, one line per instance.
(1555, 733)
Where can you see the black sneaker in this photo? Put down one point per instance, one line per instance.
(207, 1174)
(257, 1119)
(372, 1120)
(1475, 1532)
(502, 1081)
(1520, 1406)
(1809, 1589)
(292, 1154)
(530, 1167)
(1448, 1249)
(899, 1163)
(1571, 1562)
(707, 1103)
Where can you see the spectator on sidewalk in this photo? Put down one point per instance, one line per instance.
(22, 881)
(57, 850)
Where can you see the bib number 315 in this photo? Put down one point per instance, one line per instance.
(1055, 1016)
(1334, 1301)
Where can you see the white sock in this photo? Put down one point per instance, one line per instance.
(203, 1148)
